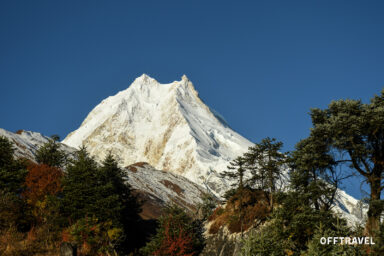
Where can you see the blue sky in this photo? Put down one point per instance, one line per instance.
(261, 64)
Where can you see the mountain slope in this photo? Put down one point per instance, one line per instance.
(26, 143)
(166, 125)
(160, 188)
(156, 188)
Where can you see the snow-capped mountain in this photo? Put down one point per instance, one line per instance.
(166, 125)
(169, 127)
(156, 188)
(26, 143)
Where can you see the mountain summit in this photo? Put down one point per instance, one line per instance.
(166, 125)
(169, 127)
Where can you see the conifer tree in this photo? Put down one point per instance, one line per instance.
(265, 164)
(101, 192)
(80, 187)
(236, 171)
(12, 172)
(111, 190)
(356, 132)
(6, 152)
(12, 175)
(292, 227)
(117, 203)
(50, 154)
(313, 173)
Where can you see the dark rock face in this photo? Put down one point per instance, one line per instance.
(66, 249)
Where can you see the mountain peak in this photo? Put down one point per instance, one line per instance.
(184, 78)
(144, 78)
(166, 125)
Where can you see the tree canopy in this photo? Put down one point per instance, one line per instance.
(12, 171)
(354, 133)
(50, 154)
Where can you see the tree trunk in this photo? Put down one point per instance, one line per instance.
(375, 207)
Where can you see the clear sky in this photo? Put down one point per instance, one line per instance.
(261, 64)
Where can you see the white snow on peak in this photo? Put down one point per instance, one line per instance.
(166, 125)
(145, 79)
(184, 78)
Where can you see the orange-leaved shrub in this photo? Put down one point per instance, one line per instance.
(42, 180)
(242, 211)
(178, 234)
(175, 243)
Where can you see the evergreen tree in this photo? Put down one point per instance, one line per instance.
(356, 131)
(236, 172)
(265, 164)
(55, 137)
(117, 203)
(12, 172)
(207, 206)
(292, 227)
(6, 152)
(103, 193)
(50, 154)
(110, 185)
(80, 188)
(313, 173)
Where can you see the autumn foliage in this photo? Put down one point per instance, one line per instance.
(93, 237)
(42, 180)
(178, 234)
(175, 243)
(255, 209)
(41, 206)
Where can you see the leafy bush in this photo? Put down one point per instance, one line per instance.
(295, 229)
(13, 212)
(36, 241)
(178, 234)
(266, 243)
(93, 237)
(246, 208)
(42, 180)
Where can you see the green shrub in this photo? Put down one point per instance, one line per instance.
(93, 237)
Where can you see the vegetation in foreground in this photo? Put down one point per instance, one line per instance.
(42, 206)
(347, 139)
